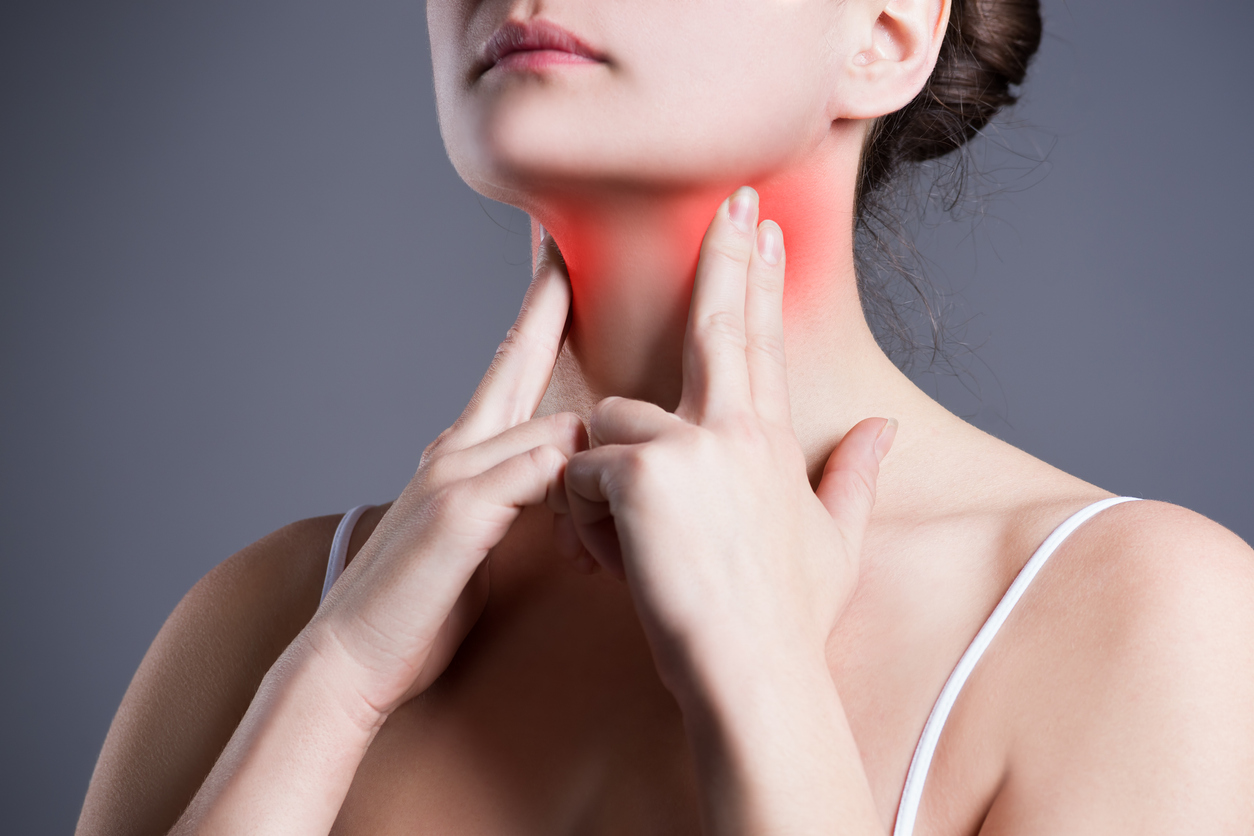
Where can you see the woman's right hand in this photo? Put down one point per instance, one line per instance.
(392, 623)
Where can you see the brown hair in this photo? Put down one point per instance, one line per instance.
(985, 51)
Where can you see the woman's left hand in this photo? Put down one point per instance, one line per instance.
(737, 566)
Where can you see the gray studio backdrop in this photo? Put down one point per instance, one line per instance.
(241, 285)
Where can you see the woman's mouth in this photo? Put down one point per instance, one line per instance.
(532, 45)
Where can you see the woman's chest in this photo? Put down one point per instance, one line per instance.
(552, 720)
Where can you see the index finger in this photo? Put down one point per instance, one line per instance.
(715, 374)
(519, 375)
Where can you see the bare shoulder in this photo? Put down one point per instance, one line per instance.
(1156, 572)
(200, 675)
(1134, 660)
(1153, 561)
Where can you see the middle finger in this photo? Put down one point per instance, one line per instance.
(563, 430)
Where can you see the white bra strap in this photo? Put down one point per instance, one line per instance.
(912, 794)
(339, 548)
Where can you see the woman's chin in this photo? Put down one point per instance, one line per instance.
(512, 155)
(530, 182)
(510, 169)
(532, 177)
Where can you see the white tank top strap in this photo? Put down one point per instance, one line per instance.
(339, 548)
(912, 793)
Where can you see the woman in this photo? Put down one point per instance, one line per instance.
(778, 614)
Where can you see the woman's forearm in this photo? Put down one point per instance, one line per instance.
(290, 762)
(774, 754)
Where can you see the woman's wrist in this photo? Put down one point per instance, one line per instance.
(318, 662)
(292, 758)
(741, 705)
(717, 671)
(765, 736)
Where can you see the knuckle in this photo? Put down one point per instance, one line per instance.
(436, 448)
(767, 278)
(859, 489)
(724, 325)
(568, 420)
(546, 457)
(443, 470)
(725, 251)
(601, 408)
(515, 340)
(768, 346)
(673, 458)
(643, 463)
(451, 503)
(566, 426)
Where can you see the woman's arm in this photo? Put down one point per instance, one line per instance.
(290, 762)
(199, 676)
(1133, 681)
(385, 631)
(775, 754)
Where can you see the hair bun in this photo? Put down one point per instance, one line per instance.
(986, 50)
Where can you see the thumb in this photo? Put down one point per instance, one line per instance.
(847, 488)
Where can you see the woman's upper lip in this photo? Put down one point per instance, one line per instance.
(537, 33)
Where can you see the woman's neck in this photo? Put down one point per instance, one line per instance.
(632, 261)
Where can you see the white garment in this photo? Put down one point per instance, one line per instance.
(339, 548)
(912, 793)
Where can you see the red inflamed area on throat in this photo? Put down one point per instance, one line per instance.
(818, 245)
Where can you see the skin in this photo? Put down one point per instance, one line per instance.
(786, 578)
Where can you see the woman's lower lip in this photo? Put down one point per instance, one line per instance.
(535, 59)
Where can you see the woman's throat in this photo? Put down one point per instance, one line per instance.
(632, 263)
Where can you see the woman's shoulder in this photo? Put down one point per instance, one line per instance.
(1169, 543)
(253, 603)
(269, 590)
(1172, 591)
(1133, 661)
(1151, 565)
(201, 672)
(1136, 548)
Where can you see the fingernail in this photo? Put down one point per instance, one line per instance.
(741, 209)
(769, 244)
(884, 440)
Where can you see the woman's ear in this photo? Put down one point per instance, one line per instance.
(891, 52)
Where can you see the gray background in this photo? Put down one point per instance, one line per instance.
(241, 284)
